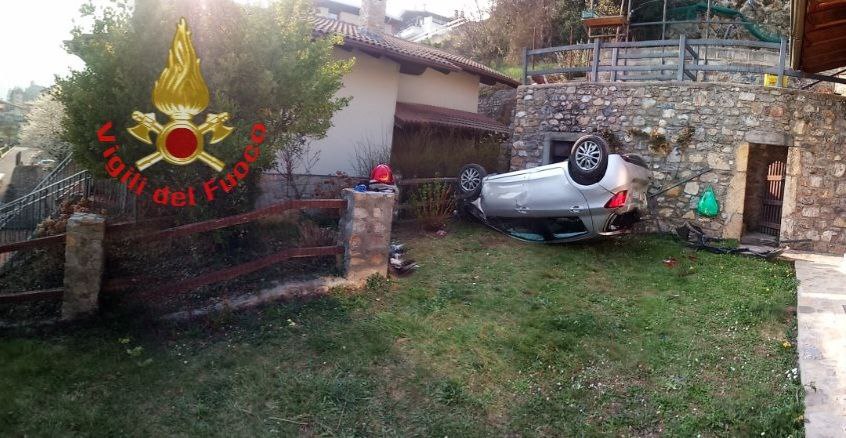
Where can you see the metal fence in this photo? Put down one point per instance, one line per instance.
(67, 181)
(678, 60)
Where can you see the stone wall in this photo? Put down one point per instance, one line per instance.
(723, 121)
(498, 103)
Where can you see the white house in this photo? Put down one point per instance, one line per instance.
(394, 81)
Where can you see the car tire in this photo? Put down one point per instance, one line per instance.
(588, 160)
(470, 181)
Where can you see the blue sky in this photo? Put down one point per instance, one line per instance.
(32, 32)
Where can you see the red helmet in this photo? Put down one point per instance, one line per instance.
(382, 174)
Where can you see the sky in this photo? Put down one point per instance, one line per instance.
(35, 53)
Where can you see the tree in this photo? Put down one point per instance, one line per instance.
(43, 127)
(512, 25)
(260, 64)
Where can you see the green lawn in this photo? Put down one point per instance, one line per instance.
(490, 337)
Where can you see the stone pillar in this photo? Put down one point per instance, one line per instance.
(735, 201)
(365, 233)
(83, 265)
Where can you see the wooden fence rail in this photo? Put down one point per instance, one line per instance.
(114, 285)
(33, 295)
(59, 239)
(238, 219)
(216, 276)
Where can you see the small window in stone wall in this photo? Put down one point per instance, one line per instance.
(559, 150)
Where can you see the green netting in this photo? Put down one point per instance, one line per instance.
(693, 11)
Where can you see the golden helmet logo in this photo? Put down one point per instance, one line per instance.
(181, 93)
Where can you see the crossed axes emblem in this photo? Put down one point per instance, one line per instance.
(180, 141)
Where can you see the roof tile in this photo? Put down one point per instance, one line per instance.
(419, 114)
(392, 46)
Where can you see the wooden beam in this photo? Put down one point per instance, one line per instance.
(242, 269)
(408, 68)
(238, 219)
(827, 18)
(816, 5)
(33, 295)
(33, 243)
(820, 36)
(608, 21)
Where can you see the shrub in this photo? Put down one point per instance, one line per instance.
(369, 154)
(332, 186)
(427, 153)
(432, 204)
(259, 64)
(312, 234)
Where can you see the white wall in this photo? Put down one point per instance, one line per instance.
(456, 90)
(369, 118)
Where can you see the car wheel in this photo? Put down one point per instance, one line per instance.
(588, 160)
(470, 181)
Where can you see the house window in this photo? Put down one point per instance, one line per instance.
(559, 150)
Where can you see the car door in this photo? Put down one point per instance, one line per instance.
(551, 194)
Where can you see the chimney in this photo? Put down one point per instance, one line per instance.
(373, 15)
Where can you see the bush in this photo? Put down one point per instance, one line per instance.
(260, 64)
(432, 204)
(333, 186)
(311, 234)
(427, 153)
(369, 154)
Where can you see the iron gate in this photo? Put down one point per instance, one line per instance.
(773, 199)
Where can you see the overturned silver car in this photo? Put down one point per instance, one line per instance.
(591, 193)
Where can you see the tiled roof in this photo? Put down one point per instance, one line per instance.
(406, 51)
(419, 114)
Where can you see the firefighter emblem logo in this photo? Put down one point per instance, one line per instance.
(180, 93)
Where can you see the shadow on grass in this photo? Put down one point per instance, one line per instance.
(490, 337)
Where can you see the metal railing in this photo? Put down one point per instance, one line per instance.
(681, 59)
(67, 181)
(28, 211)
(62, 170)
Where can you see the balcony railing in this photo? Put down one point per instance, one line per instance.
(660, 60)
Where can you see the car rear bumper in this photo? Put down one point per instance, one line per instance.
(620, 223)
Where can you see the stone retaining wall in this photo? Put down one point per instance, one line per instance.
(498, 103)
(723, 121)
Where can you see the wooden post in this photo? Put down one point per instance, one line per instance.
(614, 64)
(525, 80)
(782, 53)
(682, 50)
(595, 66)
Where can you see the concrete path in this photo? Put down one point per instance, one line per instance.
(8, 162)
(822, 342)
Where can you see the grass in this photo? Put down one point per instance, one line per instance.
(490, 337)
